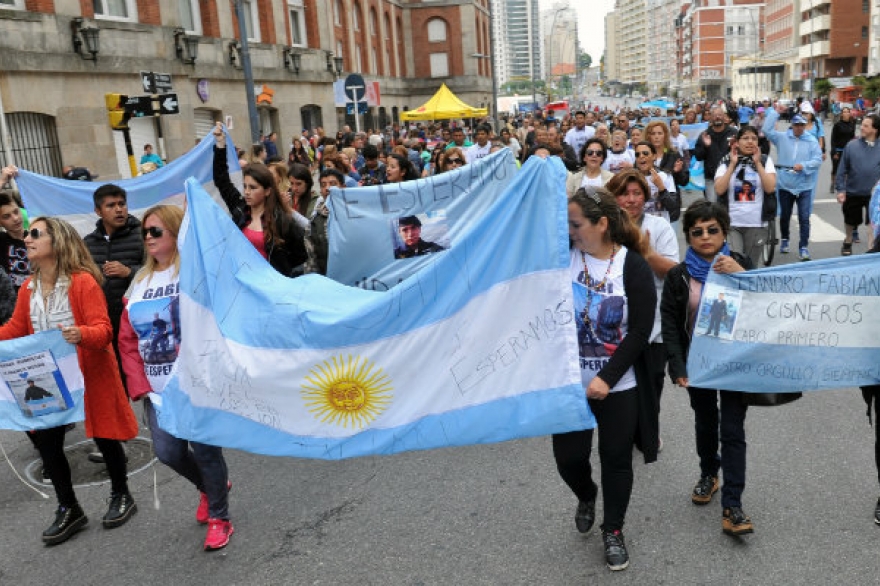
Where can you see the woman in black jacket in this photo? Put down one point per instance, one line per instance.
(614, 304)
(264, 218)
(668, 157)
(706, 225)
(844, 130)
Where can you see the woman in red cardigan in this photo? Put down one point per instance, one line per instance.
(65, 292)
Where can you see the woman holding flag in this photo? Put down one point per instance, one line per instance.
(706, 226)
(149, 337)
(65, 293)
(614, 301)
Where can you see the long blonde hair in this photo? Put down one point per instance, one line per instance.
(71, 253)
(171, 217)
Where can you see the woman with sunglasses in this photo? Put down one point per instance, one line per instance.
(593, 154)
(452, 158)
(665, 200)
(614, 301)
(262, 214)
(706, 225)
(745, 182)
(65, 293)
(149, 339)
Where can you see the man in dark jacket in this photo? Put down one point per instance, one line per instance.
(116, 246)
(712, 145)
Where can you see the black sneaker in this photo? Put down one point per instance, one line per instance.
(44, 474)
(615, 550)
(877, 512)
(704, 489)
(68, 520)
(735, 522)
(585, 515)
(122, 507)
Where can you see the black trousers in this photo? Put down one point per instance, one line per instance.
(616, 416)
(50, 443)
(873, 391)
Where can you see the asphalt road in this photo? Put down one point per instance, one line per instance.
(493, 514)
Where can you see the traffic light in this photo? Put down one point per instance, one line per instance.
(116, 111)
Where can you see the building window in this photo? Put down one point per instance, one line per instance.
(439, 65)
(436, 30)
(115, 9)
(337, 13)
(387, 27)
(190, 19)
(864, 32)
(19, 4)
(297, 22)
(358, 60)
(251, 19)
(866, 6)
(374, 61)
(356, 16)
(374, 22)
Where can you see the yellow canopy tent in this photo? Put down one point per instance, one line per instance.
(442, 106)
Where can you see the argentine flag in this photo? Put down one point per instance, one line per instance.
(72, 200)
(478, 346)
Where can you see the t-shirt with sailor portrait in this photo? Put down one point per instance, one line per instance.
(154, 312)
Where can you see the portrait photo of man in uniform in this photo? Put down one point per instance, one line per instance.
(409, 232)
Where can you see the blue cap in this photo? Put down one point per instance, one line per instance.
(798, 119)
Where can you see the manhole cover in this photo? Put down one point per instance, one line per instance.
(86, 473)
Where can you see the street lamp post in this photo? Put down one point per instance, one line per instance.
(248, 73)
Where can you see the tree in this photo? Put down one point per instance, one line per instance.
(585, 61)
(824, 87)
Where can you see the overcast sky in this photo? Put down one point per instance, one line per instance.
(591, 23)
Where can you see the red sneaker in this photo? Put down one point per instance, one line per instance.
(202, 510)
(219, 532)
(202, 514)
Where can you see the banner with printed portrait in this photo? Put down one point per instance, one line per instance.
(800, 327)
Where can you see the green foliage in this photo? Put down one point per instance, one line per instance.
(871, 89)
(824, 87)
(585, 61)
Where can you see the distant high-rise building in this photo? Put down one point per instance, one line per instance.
(559, 25)
(517, 40)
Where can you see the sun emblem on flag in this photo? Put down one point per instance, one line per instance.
(350, 391)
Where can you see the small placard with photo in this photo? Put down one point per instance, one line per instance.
(37, 384)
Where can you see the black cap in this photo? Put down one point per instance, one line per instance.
(409, 221)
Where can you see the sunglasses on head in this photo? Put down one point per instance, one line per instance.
(712, 230)
(154, 232)
(35, 233)
(592, 153)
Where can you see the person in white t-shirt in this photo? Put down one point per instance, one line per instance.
(619, 157)
(632, 193)
(149, 340)
(614, 304)
(482, 147)
(578, 134)
(742, 181)
(664, 195)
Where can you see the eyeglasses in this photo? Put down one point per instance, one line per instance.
(592, 153)
(154, 232)
(455, 161)
(644, 153)
(712, 230)
(35, 233)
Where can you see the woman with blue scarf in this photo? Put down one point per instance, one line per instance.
(706, 225)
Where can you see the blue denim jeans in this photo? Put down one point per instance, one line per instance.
(201, 464)
(732, 437)
(804, 208)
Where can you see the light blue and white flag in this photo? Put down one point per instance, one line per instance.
(41, 384)
(366, 246)
(72, 200)
(800, 327)
(478, 347)
(696, 169)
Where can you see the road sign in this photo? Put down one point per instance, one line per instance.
(138, 106)
(362, 108)
(354, 84)
(168, 104)
(155, 83)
